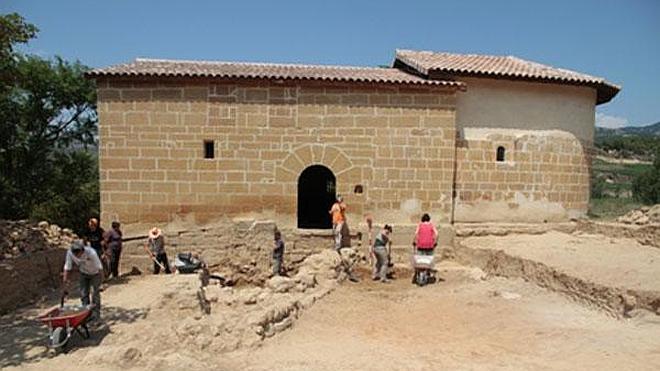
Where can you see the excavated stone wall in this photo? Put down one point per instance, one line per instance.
(214, 319)
(240, 249)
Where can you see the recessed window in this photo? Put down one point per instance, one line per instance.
(358, 189)
(500, 154)
(209, 149)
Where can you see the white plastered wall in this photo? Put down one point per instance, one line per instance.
(494, 103)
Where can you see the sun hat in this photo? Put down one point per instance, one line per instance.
(155, 232)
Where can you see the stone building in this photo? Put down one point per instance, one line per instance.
(467, 138)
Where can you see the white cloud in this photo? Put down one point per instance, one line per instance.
(610, 122)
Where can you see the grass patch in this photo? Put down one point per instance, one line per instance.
(627, 170)
(609, 208)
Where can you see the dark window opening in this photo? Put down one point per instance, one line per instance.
(358, 189)
(500, 154)
(316, 194)
(209, 149)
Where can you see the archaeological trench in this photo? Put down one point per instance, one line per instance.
(217, 318)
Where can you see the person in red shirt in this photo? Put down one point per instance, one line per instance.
(426, 237)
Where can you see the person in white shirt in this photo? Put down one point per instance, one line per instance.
(91, 271)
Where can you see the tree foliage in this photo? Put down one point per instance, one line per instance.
(48, 124)
(628, 146)
(646, 187)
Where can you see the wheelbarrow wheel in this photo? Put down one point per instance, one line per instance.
(58, 340)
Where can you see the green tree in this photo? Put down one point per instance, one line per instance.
(48, 121)
(646, 186)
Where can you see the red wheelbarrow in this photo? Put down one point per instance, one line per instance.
(63, 321)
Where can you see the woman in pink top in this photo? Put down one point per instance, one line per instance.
(426, 237)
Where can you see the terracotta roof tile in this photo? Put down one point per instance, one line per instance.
(449, 64)
(182, 68)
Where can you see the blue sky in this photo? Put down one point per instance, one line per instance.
(618, 40)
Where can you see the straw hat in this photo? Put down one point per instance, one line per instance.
(155, 232)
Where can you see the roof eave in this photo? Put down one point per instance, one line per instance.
(100, 74)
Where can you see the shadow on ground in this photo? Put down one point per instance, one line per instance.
(23, 338)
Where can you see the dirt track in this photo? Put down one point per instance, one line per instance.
(462, 323)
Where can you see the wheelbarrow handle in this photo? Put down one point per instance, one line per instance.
(65, 293)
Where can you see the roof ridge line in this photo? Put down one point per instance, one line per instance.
(454, 53)
(138, 60)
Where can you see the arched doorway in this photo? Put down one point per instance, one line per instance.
(316, 194)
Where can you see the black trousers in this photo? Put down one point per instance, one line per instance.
(162, 259)
(115, 255)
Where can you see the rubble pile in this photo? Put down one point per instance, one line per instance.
(215, 319)
(642, 216)
(22, 237)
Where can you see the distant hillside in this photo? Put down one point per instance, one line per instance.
(636, 142)
(653, 130)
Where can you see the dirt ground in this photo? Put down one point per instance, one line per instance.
(463, 322)
(612, 262)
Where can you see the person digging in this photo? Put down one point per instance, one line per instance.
(91, 271)
(155, 247)
(381, 249)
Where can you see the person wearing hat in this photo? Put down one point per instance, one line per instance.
(90, 268)
(156, 248)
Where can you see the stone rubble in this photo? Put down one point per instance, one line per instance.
(229, 318)
(643, 216)
(22, 237)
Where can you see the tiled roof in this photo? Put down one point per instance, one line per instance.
(448, 64)
(181, 68)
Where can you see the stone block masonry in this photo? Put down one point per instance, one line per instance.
(544, 176)
(394, 141)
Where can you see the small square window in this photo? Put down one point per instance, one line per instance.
(209, 149)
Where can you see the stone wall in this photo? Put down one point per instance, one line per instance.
(545, 176)
(242, 247)
(239, 248)
(397, 142)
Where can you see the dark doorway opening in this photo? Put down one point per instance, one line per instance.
(316, 194)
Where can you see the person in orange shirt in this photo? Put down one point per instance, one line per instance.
(338, 212)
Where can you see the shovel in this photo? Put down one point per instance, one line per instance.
(151, 255)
